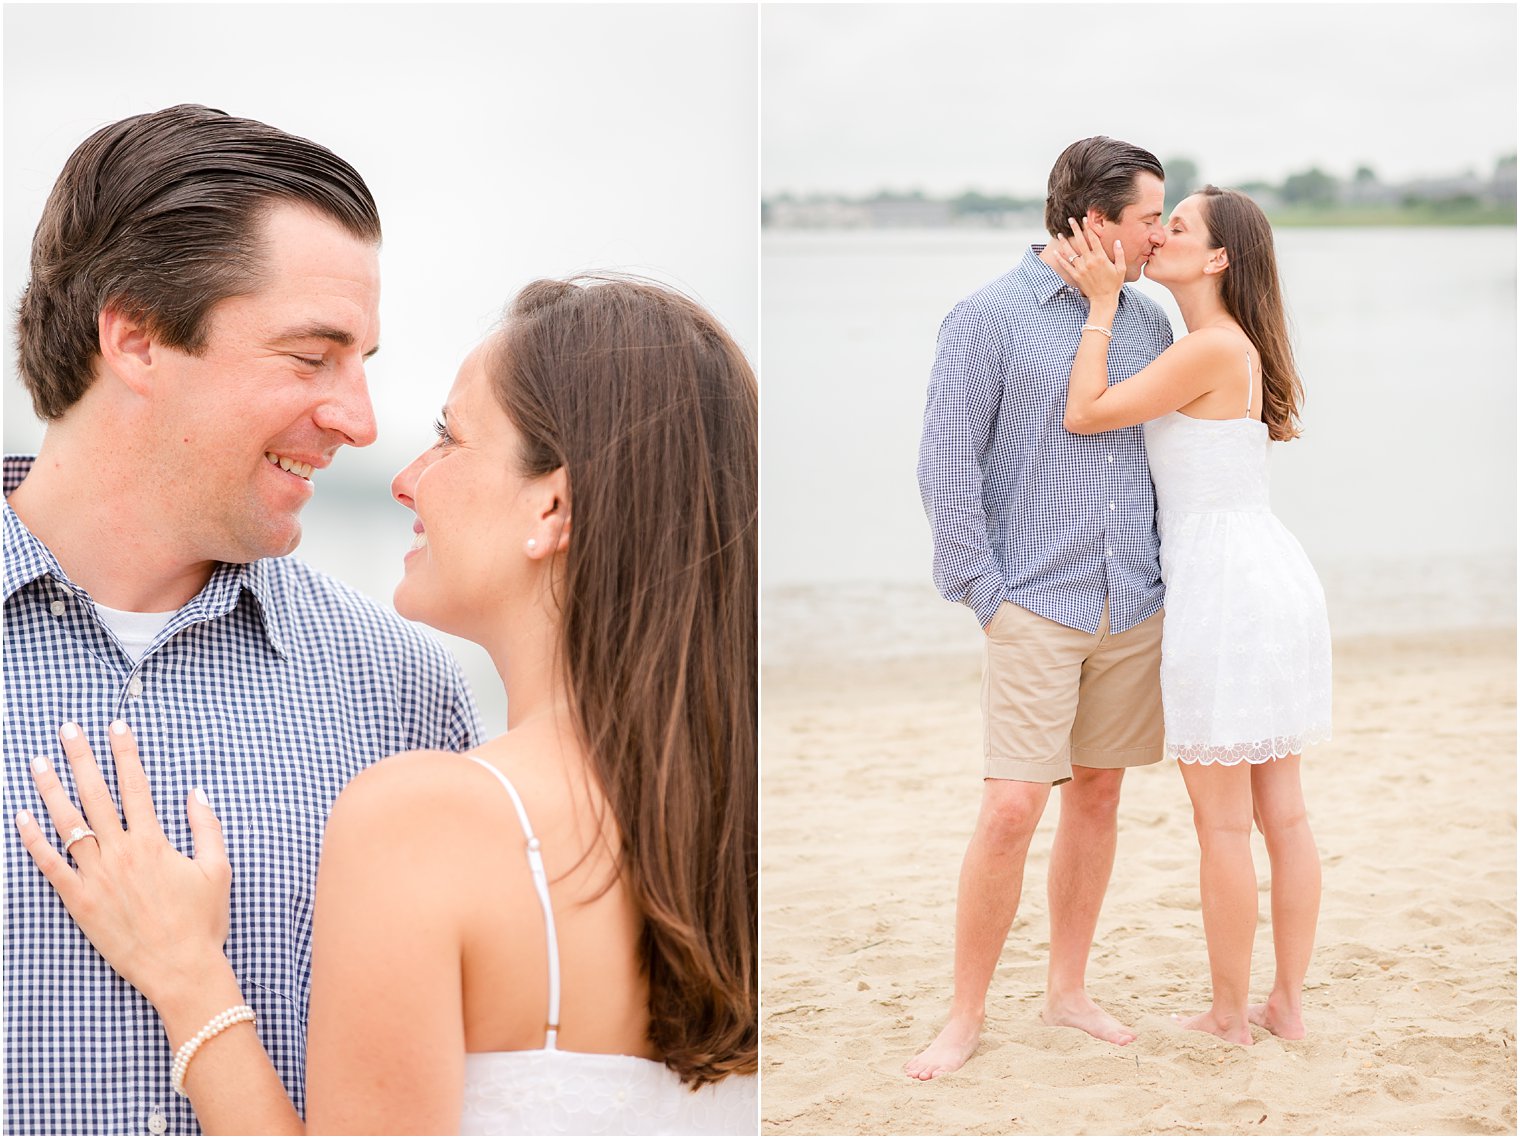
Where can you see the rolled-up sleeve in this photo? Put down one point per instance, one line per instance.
(965, 389)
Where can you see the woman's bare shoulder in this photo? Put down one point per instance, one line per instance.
(415, 803)
(1218, 343)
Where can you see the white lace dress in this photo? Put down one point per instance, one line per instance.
(546, 1091)
(1245, 642)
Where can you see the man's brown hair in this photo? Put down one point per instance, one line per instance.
(160, 216)
(1097, 173)
(652, 411)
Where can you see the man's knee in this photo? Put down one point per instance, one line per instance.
(1093, 793)
(1011, 810)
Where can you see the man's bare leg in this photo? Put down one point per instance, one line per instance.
(992, 879)
(1080, 865)
(1280, 814)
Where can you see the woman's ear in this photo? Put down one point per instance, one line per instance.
(551, 528)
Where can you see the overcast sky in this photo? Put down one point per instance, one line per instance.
(949, 97)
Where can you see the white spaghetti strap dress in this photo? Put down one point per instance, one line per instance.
(1245, 647)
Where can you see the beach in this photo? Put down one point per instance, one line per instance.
(870, 785)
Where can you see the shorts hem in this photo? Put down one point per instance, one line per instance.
(1110, 759)
(1027, 770)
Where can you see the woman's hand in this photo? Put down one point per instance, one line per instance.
(1097, 276)
(158, 917)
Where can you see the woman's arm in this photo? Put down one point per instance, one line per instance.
(161, 920)
(1174, 379)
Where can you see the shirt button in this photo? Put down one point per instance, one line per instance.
(1110, 551)
(1111, 506)
(157, 1124)
(1110, 458)
(134, 687)
(58, 607)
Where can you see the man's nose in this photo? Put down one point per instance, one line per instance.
(348, 410)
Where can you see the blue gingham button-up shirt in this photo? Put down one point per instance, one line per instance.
(1023, 510)
(271, 689)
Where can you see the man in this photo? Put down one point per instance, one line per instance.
(204, 294)
(1049, 538)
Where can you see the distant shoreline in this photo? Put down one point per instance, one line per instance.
(827, 212)
(1350, 218)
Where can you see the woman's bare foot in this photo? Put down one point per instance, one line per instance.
(1231, 1029)
(1278, 1019)
(951, 1048)
(1080, 1012)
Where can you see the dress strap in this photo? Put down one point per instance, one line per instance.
(1248, 385)
(541, 885)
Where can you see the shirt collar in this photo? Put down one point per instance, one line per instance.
(27, 559)
(1045, 282)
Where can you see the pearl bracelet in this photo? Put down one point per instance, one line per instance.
(218, 1024)
(1108, 332)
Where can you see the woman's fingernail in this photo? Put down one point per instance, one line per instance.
(40, 765)
(200, 797)
(118, 727)
(23, 818)
(68, 731)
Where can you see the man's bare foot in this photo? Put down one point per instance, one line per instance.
(951, 1048)
(1278, 1019)
(1226, 1028)
(1080, 1012)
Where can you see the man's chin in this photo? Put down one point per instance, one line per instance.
(275, 542)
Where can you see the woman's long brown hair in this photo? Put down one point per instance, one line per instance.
(1252, 296)
(652, 410)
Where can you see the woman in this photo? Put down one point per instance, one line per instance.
(1245, 656)
(588, 515)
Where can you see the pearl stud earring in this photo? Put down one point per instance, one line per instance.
(532, 545)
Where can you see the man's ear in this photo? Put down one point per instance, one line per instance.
(1095, 219)
(127, 348)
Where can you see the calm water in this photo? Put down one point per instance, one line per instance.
(1402, 489)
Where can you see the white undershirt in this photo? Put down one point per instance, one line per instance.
(135, 631)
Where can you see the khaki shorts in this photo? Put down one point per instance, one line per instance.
(1054, 697)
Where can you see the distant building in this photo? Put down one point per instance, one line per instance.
(831, 213)
(910, 213)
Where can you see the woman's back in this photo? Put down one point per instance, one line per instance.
(505, 954)
(570, 1082)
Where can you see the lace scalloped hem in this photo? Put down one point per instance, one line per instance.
(1261, 751)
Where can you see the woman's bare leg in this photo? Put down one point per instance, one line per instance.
(1227, 882)
(1280, 814)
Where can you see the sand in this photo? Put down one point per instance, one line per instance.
(870, 786)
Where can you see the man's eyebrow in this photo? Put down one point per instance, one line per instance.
(338, 336)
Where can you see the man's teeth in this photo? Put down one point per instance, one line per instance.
(419, 541)
(295, 468)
